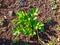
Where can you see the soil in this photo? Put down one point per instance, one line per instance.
(45, 10)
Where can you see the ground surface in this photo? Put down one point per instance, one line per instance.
(51, 34)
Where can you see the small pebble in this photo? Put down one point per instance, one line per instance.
(49, 7)
(43, 42)
(4, 40)
(21, 3)
(57, 0)
(58, 11)
(5, 17)
(10, 13)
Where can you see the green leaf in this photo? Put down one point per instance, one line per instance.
(42, 28)
(20, 13)
(32, 12)
(15, 21)
(26, 17)
(28, 24)
(15, 31)
(22, 30)
(41, 24)
(34, 33)
(34, 18)
(35, 24)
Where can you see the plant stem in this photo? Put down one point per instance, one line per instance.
(37, 36)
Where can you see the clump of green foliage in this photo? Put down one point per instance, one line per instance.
(27, 23)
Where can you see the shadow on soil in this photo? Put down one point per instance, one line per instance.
(9, 42)
(48, 31)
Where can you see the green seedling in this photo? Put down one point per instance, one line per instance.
(54, 6)
(49, 19)
(27, 23)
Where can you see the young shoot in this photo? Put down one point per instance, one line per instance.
(27, 24)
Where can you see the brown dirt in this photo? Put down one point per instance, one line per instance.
(45, 11)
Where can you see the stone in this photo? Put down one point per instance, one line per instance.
(21, 3)
(5, 17)
(57, 1)
(4, 6)
(49, 7)
(10, 13)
